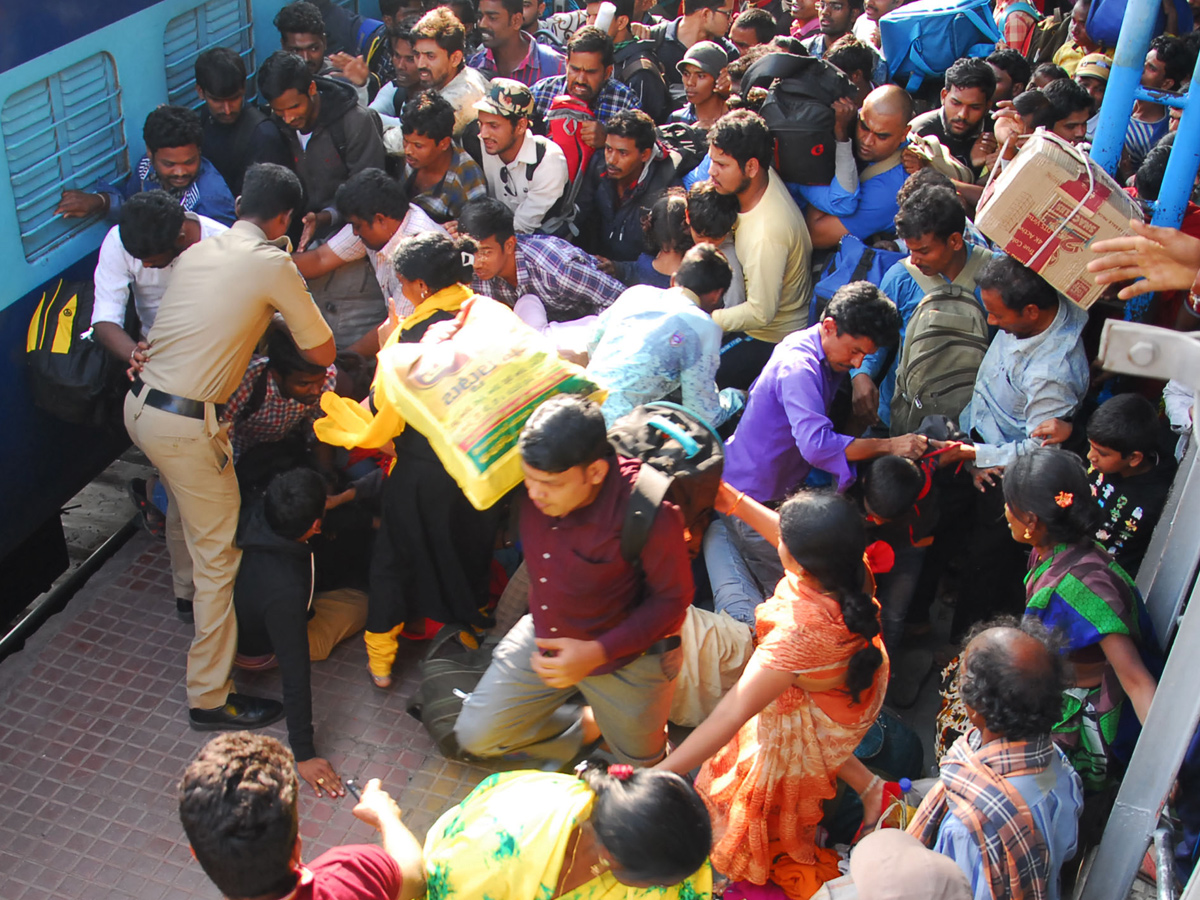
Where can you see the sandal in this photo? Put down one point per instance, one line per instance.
(383, 682)
(152, 518)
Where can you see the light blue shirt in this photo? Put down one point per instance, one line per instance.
(652, 341)
(1022, 382)
(1054, 797)
(902, 289)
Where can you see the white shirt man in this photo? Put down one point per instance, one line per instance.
(117, 273)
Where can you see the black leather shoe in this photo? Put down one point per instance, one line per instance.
(240, 711)
(184, 608)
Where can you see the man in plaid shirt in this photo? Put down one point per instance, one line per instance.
(439, 176)
(279, 397)
(1006, 805)
(589, 79)
(507, 50)
(509, 266)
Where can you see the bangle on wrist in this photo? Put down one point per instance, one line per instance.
(741, 495)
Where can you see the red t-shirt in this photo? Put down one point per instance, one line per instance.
(352, 872)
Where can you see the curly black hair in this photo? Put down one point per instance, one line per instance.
(172, 126)
(300, 18)
(863, 310)
(1018, 694)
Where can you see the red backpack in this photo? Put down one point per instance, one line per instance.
(564, 119)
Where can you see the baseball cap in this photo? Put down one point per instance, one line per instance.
(506, 97)
(706, 56)
(891, 864)
(1094, 65)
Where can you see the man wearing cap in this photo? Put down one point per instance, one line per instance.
(700, 68)
(524, 171)
(588, 79)
(893, 865)
(1006, 806)
(1092, 76)
(702, 20)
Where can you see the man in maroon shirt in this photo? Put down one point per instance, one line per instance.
(596, 626)
(237, 802)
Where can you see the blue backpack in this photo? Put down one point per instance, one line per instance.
(854, 261)
(1105, 17)
(922, 39)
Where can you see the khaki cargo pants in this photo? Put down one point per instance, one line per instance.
(195, 461)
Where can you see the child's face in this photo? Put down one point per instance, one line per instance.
(1107, 461)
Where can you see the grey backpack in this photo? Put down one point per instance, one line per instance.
(944, 344)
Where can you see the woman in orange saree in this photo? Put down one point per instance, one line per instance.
(813, 687)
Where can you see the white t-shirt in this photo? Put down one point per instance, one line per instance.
(117, 273)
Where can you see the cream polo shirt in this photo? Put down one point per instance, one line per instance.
(221, 297)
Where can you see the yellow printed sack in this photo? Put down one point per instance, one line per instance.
(470, 396)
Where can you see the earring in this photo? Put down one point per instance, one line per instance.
(1028, 534)
(599, 867)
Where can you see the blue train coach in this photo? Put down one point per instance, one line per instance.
(76, 82)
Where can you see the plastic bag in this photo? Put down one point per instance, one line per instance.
(469, 396)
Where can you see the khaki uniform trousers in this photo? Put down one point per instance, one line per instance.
(195, 461)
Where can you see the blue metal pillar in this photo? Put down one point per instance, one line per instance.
(1185, 159)
(1137, 28)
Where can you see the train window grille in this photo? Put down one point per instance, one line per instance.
(217, 23)
(64, 131)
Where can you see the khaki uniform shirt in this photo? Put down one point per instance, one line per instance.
(222, 295)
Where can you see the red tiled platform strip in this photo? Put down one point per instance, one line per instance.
(94, 738)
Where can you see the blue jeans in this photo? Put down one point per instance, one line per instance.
(743, 566)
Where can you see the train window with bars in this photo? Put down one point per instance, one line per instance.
(64, 131)
(217, 23)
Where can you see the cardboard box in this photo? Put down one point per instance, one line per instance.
(1042, 211)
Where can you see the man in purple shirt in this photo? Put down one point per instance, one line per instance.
(786, 431)
(596, 625)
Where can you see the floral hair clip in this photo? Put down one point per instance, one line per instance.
(1064, 499)
(621, 771)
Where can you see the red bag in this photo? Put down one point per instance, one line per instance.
(564, 120)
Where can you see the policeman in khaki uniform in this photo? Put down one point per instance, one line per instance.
(220, 301)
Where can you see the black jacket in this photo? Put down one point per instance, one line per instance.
(271, 598)
(253, 138)
(345, 140)
(615, 231)
(636, 64)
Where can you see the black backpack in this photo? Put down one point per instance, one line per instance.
(683, 459)
(690, 142)
(71, 376)
(799, 111)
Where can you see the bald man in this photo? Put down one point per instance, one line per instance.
(861, 199)
(1006, 801)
